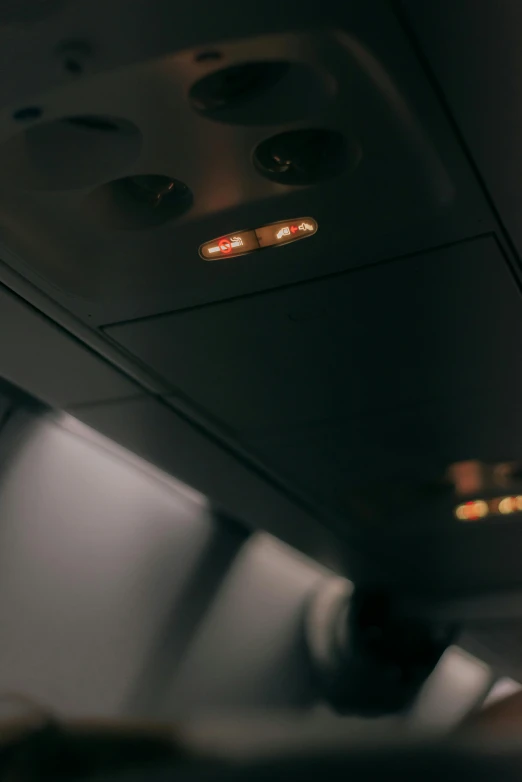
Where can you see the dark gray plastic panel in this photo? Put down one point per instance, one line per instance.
(376, 460)
(40, 358)
(473, 49)
(383, 338)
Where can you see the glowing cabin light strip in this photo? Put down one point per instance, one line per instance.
(475, 510)
(505, 506)
(272, 235)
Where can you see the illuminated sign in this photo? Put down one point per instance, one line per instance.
(243, 242)
(473, 510)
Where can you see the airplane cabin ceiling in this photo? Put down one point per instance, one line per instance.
(319, 389)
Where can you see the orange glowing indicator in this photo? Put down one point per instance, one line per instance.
(474, 510)
(243, 242)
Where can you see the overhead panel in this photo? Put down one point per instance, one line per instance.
(474, 55)
(357, 372)
(112, 182)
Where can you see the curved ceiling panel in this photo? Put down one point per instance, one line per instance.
(403, 185)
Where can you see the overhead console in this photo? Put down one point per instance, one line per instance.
(111, 183)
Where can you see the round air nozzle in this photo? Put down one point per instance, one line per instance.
(230, 87)
(71, 152)
(138, 202)
(304, 157)
(263, 93)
